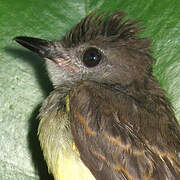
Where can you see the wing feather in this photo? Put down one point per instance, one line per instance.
(110, 146)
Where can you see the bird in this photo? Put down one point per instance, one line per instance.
(107, 117)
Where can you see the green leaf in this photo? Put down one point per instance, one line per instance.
(24, 82)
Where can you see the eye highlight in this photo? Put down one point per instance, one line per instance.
(92, 57)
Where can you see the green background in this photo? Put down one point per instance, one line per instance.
(24, 82)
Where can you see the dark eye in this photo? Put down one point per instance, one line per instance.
(92, 57)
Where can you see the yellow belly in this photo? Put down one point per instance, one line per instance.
(70, 167)
(59, 151)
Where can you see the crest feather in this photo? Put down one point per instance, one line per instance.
(113, 28)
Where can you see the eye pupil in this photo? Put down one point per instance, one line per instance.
(92, 57)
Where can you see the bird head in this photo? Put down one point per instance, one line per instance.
(102, 48)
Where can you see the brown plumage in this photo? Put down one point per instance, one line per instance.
(122, 123)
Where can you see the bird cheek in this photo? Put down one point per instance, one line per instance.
(120, 76)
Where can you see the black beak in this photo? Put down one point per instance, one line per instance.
(39, 46)
(46, 50)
